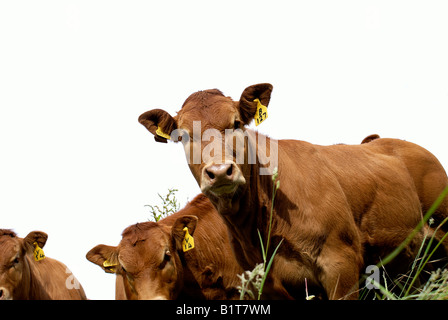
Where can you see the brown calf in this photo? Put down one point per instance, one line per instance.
(24, 278)
(338, 209)
(150, 262)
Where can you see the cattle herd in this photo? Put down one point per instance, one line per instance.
(336, 210)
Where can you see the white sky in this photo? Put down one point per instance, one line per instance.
(75, 76)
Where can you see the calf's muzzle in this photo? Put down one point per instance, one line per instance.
(221, 178)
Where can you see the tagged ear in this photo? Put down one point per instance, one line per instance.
(177, 231)
(38, 237)
(104, 256)
(248, 106)
(159, 122)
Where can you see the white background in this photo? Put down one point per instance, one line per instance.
(75, 76)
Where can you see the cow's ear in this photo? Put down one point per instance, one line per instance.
(159, 122)
(248, 103)
(104, 256)
(38, 237)
(370, 138)
(178, 233)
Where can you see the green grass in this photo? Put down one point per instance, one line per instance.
(408, 286)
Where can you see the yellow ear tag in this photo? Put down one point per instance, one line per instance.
(109, 265)
(162, 134)
(188, 242)
(261, 114)
(38, 252)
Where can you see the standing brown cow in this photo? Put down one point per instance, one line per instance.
(24, 278)
(338, 208)
(150, 261)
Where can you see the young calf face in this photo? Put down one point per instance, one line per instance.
(211, 128)
(14, 268)
(147, 258)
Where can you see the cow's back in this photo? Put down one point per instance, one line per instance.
(369, 178)
(428, 174)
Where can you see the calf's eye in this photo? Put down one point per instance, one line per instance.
(167, 256)
(14, 262)
(237, 124)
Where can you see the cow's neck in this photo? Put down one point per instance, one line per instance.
(36, 287)
(252, 214)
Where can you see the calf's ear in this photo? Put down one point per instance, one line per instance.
(159, 122)
(247, 105)
(177, 231)
(38, 237)
(370, 138)
(104, 256)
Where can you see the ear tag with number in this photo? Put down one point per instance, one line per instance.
(38, 252)
(188, 242)
(261, 114)
(162, 134)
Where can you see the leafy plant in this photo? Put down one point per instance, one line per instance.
(169, 206)
(251, 281)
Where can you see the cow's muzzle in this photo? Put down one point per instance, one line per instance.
(221, 178)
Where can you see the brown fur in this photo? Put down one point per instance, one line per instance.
(23, 278)
(338, 209)
(208, 271)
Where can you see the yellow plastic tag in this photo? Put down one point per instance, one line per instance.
(107, 263)
(38, 252)
(188, 242)
(162, 134)
(261, 114)
(110, 266)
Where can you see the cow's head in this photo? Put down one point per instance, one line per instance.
(15, 255)
(147, 259)
(211, 128)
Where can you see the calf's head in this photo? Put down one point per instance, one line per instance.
(15, 256)
(147, 259)
(218, 148)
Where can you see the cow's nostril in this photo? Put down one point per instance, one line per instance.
(210, 174)
(229, 171)
(1, 293)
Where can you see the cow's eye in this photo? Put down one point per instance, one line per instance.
(166, 258)
(237, 124)
(14, 262)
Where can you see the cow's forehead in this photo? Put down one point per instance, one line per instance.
(148, 242)
(8, 247)
(217, 112)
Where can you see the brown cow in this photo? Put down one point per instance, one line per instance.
(151, 264)
(24, 278)
(338, 208)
